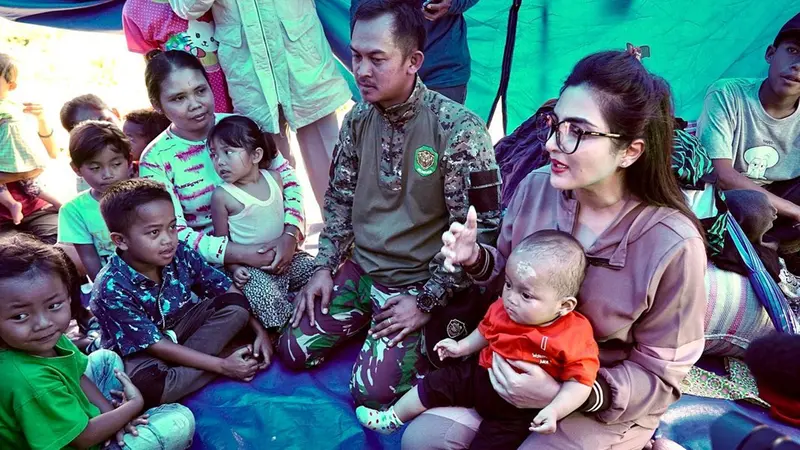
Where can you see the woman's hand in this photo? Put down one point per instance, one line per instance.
(533, 388)
(461, 242)
(284, 247)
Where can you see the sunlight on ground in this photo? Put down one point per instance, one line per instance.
(56, 65)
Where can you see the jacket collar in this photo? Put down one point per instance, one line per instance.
(399, 115)
(611, 247)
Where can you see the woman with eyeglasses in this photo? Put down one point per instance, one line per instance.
(610, 185)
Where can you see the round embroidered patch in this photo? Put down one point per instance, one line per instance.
(426, 161)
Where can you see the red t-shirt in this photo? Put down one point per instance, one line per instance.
(565, 349)
(30, 204)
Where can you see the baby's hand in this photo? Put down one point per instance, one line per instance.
(447, 348)
(545, 421)
(241, 276)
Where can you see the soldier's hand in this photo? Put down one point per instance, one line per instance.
(399, 315)
(461, 242)
(320, 285)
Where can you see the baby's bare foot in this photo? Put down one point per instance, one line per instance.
(16, 212)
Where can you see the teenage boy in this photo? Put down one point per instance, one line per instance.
(751, 130)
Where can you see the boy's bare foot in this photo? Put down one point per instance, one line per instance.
(16, 212)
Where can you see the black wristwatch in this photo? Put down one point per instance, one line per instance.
(426, 301)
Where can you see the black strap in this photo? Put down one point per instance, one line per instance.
(508, 56)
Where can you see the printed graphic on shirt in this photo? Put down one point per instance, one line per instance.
(425, 161)
(540, 359)
(199, 41)
(758, 160)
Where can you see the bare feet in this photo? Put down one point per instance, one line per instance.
(16, 212)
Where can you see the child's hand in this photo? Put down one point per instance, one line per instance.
(241, 276)
(130, 428)
(447, 348)
(240, 365)
(33, 109)
(545, 421)
(129, 390)
(262, 349)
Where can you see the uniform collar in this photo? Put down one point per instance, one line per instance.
(400, 114)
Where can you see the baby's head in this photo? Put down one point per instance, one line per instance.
(141, 220)
(543, 276)
(35, 300)
(87, 107)
(8, 75)
(142, 126)
(238, 148)
(100, 153)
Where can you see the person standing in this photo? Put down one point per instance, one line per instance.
(281, 73)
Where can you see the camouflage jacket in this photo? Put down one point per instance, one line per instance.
(456, 148)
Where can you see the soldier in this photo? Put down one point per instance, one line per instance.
(409, 162)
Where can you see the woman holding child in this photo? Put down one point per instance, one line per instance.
(181, 159)
(609, 185)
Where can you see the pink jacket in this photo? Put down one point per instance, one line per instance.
(644, 294)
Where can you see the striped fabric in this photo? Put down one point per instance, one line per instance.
(734, 316)
(768, 292)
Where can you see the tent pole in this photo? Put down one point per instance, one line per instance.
(508, 56)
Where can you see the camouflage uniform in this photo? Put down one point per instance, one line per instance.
(382, 215)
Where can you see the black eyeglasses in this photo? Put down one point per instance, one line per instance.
(568, 135)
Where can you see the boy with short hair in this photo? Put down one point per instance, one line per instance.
(533, 321)
(101, 155)
(87, 107)
(751, 130)
(172, 343)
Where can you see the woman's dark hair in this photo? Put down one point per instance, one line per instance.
(638, 105)
(161, 65)
(242, 132)
(152, 122)
(21, 255)
(93, 136)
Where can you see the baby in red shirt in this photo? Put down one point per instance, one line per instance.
(534, 321)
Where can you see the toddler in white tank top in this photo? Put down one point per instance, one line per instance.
(248, 208)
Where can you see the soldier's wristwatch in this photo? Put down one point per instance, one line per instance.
(426, 301)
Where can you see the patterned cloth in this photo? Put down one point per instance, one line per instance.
(268, 293)
(151, 25)
(738, 384)
(21, 149)
(186, 169)
(381, 374)
(135, 312)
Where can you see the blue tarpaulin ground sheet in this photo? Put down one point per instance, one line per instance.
(285, 409)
